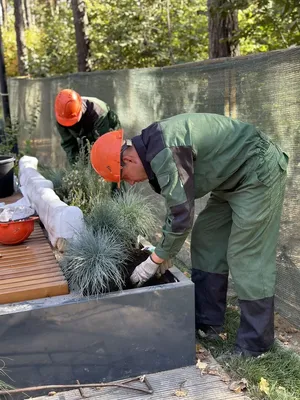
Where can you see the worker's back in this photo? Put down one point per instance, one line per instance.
(220, 145)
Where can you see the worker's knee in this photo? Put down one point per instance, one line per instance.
(253, 278)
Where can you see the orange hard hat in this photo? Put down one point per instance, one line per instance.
(106, 156)
(68, 105)
(15, 232)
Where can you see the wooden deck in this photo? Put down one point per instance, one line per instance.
(29, 270)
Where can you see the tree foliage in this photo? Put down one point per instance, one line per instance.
(143, 33)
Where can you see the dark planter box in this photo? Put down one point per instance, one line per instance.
(118, 335)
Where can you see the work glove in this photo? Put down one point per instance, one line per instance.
(164, 266)
(144, 272)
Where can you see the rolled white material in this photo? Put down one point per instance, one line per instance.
(59, 219)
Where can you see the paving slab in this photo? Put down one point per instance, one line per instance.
(187, 383)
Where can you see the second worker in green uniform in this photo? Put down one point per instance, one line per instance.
(81, 120)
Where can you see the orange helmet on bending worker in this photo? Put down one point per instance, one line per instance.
(68, 107)
(106, 156)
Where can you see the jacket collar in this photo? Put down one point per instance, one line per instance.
(141, 149)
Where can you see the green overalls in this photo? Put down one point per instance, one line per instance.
(190, 155)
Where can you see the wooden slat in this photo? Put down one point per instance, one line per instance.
(29, 270)
(25, 280)
(16, 260)
(32, 282)
(11, 272)
(34, 292)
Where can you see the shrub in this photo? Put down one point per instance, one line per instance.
(78, 185)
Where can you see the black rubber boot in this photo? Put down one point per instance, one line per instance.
(255, 335)
(210, 298)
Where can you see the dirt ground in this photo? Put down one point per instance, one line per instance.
(287, 333)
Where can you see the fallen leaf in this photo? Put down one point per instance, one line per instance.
(180, 393)
(292, 330)
(234, 308)
(199, 348)
(264, 386)
(201, 365)
(214, 372)
(225, 378)
(52, 393)
(223, 336)
(239, 386)
(281, 338)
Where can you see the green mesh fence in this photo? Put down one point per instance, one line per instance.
(262, 89)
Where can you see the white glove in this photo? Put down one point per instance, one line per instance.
(164, 266)
(144, 272)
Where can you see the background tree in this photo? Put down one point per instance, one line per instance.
(3, 4)
(223, 28)
(147, 33)
(20, 37)
(82, 39)
(3, 87)
(27, 10)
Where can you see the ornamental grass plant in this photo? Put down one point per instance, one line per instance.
(3, 373)
(130, 215)
(94, 262)
(98, 259)
(78, 184)
(95, 259)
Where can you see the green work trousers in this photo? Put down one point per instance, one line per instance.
(238, 232)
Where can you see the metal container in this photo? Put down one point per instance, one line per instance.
(117, 335)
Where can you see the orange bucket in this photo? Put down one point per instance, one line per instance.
(15, 232)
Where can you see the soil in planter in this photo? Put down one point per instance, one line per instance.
(137, 257)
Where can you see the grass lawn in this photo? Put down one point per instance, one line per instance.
(279, 368)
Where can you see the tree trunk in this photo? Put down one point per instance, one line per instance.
(27, 10)
(20, 35)
(222, 25)
(3, 87)
(82, 40)
(170, 33)
(4, 11)
(53, 6)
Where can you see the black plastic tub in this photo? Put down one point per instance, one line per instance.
(6, 176)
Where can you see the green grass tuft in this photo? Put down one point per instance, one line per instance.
(93, 262)
(280, 367)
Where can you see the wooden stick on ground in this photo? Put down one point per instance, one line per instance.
(120, 384)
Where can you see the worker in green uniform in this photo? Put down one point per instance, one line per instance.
(185, 157)
(82, 120)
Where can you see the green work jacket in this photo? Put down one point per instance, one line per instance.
(97, 119)
(189, 155)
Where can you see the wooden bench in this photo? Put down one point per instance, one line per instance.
(29, 270)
